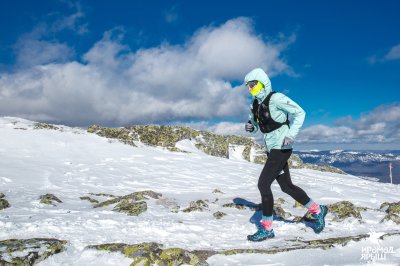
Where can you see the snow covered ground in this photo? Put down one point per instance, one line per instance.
(73, 163)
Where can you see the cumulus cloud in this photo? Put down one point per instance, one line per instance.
(381, 125)
(114, 85)
(39, 46)
(377, 129)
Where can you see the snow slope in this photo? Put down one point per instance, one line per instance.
(72, 163)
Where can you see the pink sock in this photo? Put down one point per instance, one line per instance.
(266, 224)
(314, 208)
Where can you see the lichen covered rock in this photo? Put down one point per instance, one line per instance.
(3, 202)
(90, 200)
(46, 126)
(153, 254)
(132, 204)
(219, 215)
(279, 211)
(29, 251)
(135, 196)
(131, 207)
(345, 209)
(392, 210)
(198, 205)
(49, 199)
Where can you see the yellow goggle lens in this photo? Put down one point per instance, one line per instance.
(256, 89)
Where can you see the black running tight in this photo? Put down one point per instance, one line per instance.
(276, 162)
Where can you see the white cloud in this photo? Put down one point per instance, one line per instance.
(115, 85)
(381, 125)
(39, 47)
(32, 52)
(393, 54)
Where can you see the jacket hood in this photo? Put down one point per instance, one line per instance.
(260, 75)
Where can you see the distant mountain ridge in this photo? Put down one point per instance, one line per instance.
(373, 164)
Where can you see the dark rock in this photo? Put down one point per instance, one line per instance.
(219, 215)
(131, 207)
(153, 254)
(46, 126)
(49, 199)
(392, 210)
(343, 210)
(89, 199)
(4, 204)
(141, 195)
(198, 205)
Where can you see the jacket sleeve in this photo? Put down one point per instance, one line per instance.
(289, 106)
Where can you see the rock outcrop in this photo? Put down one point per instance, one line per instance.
(29, 251)
(392, 211)
(209, 143)
(132, 204)
(49, 199)
(3, 202)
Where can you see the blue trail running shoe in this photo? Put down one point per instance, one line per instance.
(319, 219)
(261, 234)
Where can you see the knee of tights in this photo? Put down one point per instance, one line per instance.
(264, 188)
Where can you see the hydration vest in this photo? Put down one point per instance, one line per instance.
(262, 115)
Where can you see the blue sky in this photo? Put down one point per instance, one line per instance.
(181, 62)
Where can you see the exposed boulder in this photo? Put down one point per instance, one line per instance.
(49, 199)
(29, 251)
(198, 205)
(3, 202)
(345, 209)
(279, 211)
(131, 207)
(392, 210)
(46, 126)
(219, 215)
(153, 254)
(215, 191)
(132, 204)
(90, 200)
(135, 196)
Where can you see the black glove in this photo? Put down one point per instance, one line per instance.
(287, 141)
(249, 127)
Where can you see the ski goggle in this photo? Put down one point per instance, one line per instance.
(254, 87)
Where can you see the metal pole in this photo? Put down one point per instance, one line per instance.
(391, 177)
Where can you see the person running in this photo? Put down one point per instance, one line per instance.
(269, 113)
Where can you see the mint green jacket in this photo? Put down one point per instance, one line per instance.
(279, 106)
